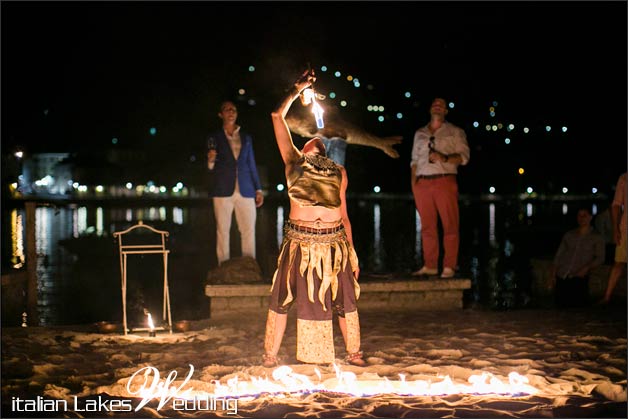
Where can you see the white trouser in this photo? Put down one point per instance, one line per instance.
(245, 213)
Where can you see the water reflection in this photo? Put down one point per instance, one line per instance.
(79, 221)
(491, 224)
(417, 230)
(99, 221)
(279, 226)
(50, 224)
(377, 237)
(77, 263)
(17, 240)
(177, 215)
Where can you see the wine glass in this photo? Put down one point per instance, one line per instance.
(211, 152)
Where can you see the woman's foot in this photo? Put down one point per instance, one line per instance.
(270, 361)
(356, 359)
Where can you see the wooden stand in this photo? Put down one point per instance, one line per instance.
(143, 249)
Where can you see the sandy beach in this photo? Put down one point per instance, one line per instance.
(568, 363)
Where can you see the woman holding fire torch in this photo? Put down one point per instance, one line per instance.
(317, 266)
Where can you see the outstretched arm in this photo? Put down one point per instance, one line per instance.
(289, 153)
(383, 143)
(303, 124)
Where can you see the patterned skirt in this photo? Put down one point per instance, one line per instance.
(315, 271)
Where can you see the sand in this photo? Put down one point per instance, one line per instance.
(568, 363)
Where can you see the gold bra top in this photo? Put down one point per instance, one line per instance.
(315, 181)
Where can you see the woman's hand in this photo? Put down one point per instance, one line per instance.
(306, 80)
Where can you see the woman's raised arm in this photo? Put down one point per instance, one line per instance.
(289, 153)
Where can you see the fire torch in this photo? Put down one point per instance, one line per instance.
(309, 96)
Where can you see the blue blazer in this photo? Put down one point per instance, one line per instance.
(227, 166)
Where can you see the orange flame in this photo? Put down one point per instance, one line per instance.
(285, 380)
(151, 325)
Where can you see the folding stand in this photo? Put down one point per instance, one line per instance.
(142, 249)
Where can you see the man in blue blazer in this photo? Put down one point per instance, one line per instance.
(236, 186)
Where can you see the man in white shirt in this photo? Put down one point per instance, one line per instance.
(438, 149)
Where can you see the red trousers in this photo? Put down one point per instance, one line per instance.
(438, 198)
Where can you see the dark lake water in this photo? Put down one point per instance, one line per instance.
(78, 266)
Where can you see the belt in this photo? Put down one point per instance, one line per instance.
(435, 176)
(304, 229)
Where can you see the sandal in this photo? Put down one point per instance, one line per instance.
(270, 361)
(356, 359)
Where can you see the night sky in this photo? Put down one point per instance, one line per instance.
(77, 74)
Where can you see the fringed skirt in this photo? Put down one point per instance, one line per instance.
(315, 271)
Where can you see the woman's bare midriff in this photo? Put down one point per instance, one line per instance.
(328, 215)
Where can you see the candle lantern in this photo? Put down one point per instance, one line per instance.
(151, 325)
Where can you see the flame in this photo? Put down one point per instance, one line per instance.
(17, 240)
(285, 381)
(151, 325)
(309, 96)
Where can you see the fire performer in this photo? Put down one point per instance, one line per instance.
(317, 266)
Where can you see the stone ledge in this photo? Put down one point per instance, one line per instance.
(263, 290)
(14, 288)
(416, 285)
(426, 294)
(242, 290)
(543, 284)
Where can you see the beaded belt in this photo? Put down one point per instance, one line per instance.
(312, 230)
(435, 176)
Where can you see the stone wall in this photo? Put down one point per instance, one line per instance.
(433, 294)
(542, 284)
(13, 297)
